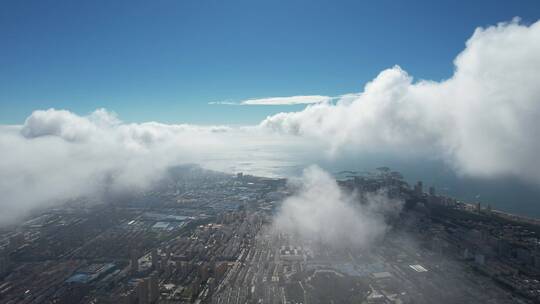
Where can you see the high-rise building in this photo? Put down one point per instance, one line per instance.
(134, 262)
(155, 260)
(203, 272)
(419, 189)
(4, 263)
(479, 259)
(142, 292)
(154, 288)
(125, 298)
(16, 241)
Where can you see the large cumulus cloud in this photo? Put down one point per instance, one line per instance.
(484, 120)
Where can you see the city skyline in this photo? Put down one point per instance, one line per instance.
(269, 152)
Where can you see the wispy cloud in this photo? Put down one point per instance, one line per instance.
(274, 101)
(224, 102)
(291, 100)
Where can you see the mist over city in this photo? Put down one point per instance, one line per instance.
(241, 152)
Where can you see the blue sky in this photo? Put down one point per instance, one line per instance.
(165, 60)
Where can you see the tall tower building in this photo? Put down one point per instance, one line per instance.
(134, 262)
(4, 263)
(419, 189)
(154, 288)
(155, 259)
(142, 292)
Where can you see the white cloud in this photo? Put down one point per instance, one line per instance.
(57, 155)
(321, 211)
(291, 100)
(224, 102)
(276, 101)
(484, 120)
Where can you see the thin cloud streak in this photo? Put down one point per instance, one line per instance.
(292, 100)
(278, 101)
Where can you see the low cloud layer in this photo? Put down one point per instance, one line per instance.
(484, 121)
(320, 211)
(57, 155)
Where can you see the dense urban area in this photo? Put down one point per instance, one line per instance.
(203, 237)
